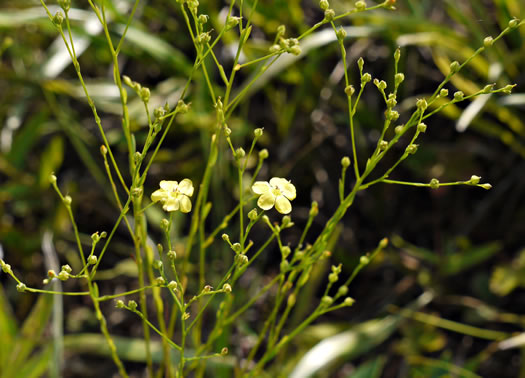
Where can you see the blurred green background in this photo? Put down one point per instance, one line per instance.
(462, 246)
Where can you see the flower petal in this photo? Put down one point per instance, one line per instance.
(266, 201)
(282, 205)
(159, 195)
(169, 186)
(185, 204)
(288, 190)
(186, 187)
(261, 187)
(171, 204)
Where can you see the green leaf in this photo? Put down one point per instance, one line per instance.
(29, 337)
(51, 160)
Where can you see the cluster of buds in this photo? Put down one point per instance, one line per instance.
(334, 276)
(289, 45)
(143, 92)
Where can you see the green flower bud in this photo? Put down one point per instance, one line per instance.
(203, 18)
(458, 96)
(132, 305)
(327, 301)
(391, 102)
(422, 104)
(240, 153)
(474, 180)
(182, 107)
(360, 5)
(366, 78)
(236, 247)
(422, 127)
(284, 265)
(65, 4)
(383, 145)
(488, 41)
(486, 186)
(345, 162)
(398, 129)
(263, 154)
(160, 281)
(333, 277)
(360, 63)
(285, 251)
(383, 243)
(411, 149)
(67, 201)
(348, 301)
(144, 94)
(21, 287)
(172, 255)
(434, 183)
(165, 225)
(399, 78)
(290, 302)
(227, 288)
(349, 90)
(507, 89)
(397, 54)
(487, 88)
(513, 23)
(295, 50)
(6, 268)
(225, 237)
(341, 33)
(63, 276)
(275, 49)
(324, 5)
(52, 179)
(252, 215)
(58, 19)
(329, 15)
(380, 84)
(232, 22)
(454, 67)
(172, 285)
(157, 264)
(258, 132)
(120, 304)
(364, 260)
(241, 259)
(103, 150)
(50, 273)
(66, 268)
(443, 92)
(92, 260)
(343, 290)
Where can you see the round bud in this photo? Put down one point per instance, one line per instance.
(327, 301)
(21, 287)
(252, 215)
(458, 96)
(341, 33)
(343, 290)
(364, 260)
(120, 304)
(513, 23)
(92, 260)
(52, 179)
(434, 183)
(67, 201)
(172, 285)
(227, 288)
(345, 162)
(132, 305)
(258, 132)
(488, 41)
(324, 5)
(263, 154)
(443, 92)
(383, 145)
(360, 5)
(172, 255)
(329, 15)
(348, 301)
(421, 127)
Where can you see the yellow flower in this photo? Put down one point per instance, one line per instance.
(278, 192)
(174, 196)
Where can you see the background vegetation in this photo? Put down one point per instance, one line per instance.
(456, 252)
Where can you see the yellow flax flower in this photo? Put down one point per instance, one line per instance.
(174, 196)
(278, 192)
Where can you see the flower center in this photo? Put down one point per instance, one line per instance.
(276, 192)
